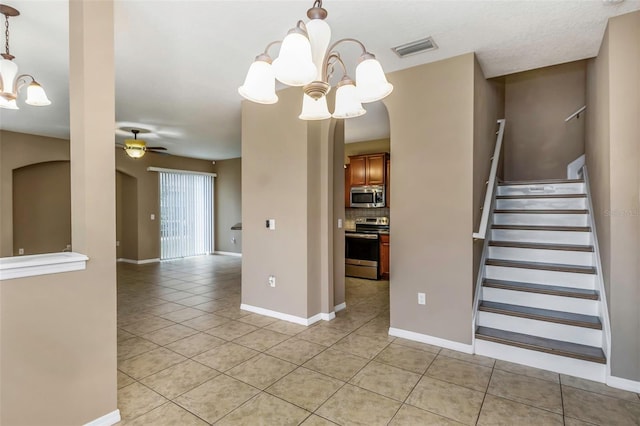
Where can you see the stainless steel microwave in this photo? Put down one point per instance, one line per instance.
(367, 196)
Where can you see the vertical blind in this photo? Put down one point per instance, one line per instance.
(186, 214)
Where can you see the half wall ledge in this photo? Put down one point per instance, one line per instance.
(41, 264)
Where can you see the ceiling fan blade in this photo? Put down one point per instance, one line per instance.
(158, 148)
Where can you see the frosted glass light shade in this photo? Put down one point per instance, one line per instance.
(260, 84)
(294, 66)
(347, 102)
(314, 109)
(371, 83)
(8, 70)
(134, 148)
(36, 95)
(319, 37)
(8, 104)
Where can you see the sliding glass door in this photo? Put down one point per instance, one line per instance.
(186, 214)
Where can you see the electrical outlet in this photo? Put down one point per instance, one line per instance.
(339, 223)
(272, 280)
(422, 299)
(20, 251)
(153, 216)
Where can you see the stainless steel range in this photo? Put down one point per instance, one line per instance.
(362, 247)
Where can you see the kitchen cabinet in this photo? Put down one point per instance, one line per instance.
(384, 256)
(347, 185)
(368, 169)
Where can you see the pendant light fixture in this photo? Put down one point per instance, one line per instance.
(10, 82)
(306, 59)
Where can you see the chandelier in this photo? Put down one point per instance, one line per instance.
(306, 59)
(10, 82)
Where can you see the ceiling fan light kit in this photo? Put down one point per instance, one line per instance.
(136, 148)
(10, 82)
(306, 59)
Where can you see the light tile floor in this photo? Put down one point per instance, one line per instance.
(187, 355)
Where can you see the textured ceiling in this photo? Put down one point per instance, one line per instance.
(179, 63)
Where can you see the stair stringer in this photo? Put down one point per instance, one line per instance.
(604, 306)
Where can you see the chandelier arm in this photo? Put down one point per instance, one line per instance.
(332, 53)
(270, 45)
(330, 64)
(21, 81)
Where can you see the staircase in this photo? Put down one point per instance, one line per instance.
(539, 303)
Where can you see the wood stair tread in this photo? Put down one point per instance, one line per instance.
(553, 290)
(558, 317)
(540, 182)
(543, 228)
(541, 344)
(540, 246)
(542, 211)
(557, 267)
(535, 196)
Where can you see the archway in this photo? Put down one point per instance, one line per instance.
(42, 208)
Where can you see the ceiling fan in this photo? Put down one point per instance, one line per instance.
(136, 148)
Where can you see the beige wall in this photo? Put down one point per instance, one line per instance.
(488, 107)
(432, 129)
(613, 155)
(19, 150)
(228, 204)
(42, 208)
(274, 186)
(58, 332)
(126, 216)
(148, 198)
(366, 147)
(288, 175)
(538, 142)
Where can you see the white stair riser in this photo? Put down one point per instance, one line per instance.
(536, 276)
(551, 237)
(546, 219)
(558, 188)
(546, 256)
(559, 364)
(541, 301)
(549, 330)
(542, 204)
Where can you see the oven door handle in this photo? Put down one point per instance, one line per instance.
(362, 236)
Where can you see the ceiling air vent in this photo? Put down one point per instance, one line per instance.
(415, 47)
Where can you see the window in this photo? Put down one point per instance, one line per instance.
(186, 214)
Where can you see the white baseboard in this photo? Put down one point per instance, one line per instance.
(431, 340)
(340, 307)
(328, 317)
(107, 420)
(137, 262)
(287, 317)
(228, 253)
(624, 384)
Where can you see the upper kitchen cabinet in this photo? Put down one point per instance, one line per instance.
(368, 169)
